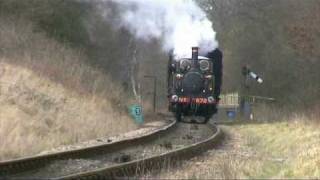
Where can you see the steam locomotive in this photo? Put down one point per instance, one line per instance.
(194, 85)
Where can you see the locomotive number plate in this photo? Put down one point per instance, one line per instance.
(200, 100)
(184, 100)
(193, 100)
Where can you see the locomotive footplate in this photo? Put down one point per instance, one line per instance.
(194, 120)
(198, 109)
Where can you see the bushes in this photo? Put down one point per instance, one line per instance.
(62, 20)
(278, 40)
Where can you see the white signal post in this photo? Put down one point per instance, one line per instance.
(256, 77)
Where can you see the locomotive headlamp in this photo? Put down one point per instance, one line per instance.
(179, 76)
(210, 99)
(208, 76)
(175, 98)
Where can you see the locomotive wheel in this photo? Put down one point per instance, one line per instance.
(178, 116)
(210, 112)
(207, 118)
(178, 113)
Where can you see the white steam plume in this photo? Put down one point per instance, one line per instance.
(179, 24)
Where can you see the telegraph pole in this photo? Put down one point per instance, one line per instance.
(154, 91)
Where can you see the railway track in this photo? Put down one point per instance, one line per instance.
(126, 158)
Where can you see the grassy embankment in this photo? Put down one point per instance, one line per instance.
(286, 148)
(283, 149)
(49, 95)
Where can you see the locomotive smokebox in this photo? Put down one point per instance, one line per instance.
(195, 54)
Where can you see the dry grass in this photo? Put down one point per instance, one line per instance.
(48, 96)
(283, 149)
(289, 149)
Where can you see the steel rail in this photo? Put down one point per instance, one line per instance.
(140, 166)
(10, 167)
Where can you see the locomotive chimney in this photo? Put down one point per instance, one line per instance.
(195, 53)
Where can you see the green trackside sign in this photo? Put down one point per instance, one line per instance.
(135, 111)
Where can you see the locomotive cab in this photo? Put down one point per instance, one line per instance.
(191, 86)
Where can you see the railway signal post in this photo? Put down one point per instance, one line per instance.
(245, 104)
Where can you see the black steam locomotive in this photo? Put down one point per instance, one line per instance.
(194, 85)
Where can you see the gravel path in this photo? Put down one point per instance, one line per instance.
(185, 134)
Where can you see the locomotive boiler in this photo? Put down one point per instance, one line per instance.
(194, 85)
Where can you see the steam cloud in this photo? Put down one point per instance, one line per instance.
(179, 24)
